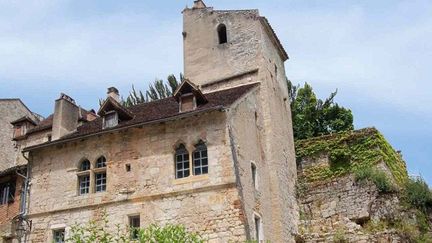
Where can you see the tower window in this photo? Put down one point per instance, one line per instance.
(258, 228)
(254, 175)
(222, 34)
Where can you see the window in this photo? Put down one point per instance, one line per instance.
(254, 175)
(200, 160)
(222, 34)
(182, 162)
(258, 228)
(100, 181)
(85, 165)
(7, 193)
(134, 224)
(101, 162)
(59, 236)
(84, 184)
(110, 119)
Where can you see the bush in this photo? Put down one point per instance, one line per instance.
(98, 232)
(418, 194)
(379, 178)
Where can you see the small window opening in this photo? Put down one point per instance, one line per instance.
(258, 228)
(7, 193)
(128, 167)
(254, 175)
(85, 165)
(101, 162)
(59, 236)
(134, 224)
(276, 71)
(222, 34)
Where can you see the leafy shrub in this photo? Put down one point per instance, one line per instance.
(418, 194)
(340, 236)
(379, 178)
(95, 231)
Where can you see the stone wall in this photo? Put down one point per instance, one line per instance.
(207, 203)
(11, 110)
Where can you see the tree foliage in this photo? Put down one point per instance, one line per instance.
(315, 117)
(159, 89)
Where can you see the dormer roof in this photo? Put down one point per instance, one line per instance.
(110, 104)
(187, 87)
(22, 120)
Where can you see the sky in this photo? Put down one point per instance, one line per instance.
(377, 54)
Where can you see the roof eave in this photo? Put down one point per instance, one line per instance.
(172, 118)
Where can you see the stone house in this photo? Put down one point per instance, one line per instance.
(217, 157)
(15, 121)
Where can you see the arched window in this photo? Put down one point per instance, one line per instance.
(182, 162)
(200, 160)
(101, 162)
(85, 165)
(222, 34)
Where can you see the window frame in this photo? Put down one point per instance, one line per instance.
(102, 181)
(63, 236)
(7, 192)
(201, 150)
(134, 230)
(110, 119)
(182, 151)
(87, 187)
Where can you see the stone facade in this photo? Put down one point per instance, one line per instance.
(11, 110)
(249, 190)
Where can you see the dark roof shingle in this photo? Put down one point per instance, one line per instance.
(158, 110)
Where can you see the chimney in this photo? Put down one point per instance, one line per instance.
(66, 114)
(114, 93)
(199, 4)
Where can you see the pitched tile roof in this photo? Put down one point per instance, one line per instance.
(156, 111)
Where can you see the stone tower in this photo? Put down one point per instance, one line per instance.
(228, 48)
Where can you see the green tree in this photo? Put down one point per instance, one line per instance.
(315, 117)
(159, 89)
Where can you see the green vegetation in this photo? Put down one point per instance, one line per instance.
(159, 89)
(378, 177)
(418, 195)
(349, 152)
(97, 231)
(340, 236)
(315, 117)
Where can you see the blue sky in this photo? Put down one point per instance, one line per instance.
(376, 53)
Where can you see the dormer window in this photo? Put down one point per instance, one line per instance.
(19, 130)
(21, 126)
(187, 102)
(111, 119)
(189, 96)
(113, 111)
